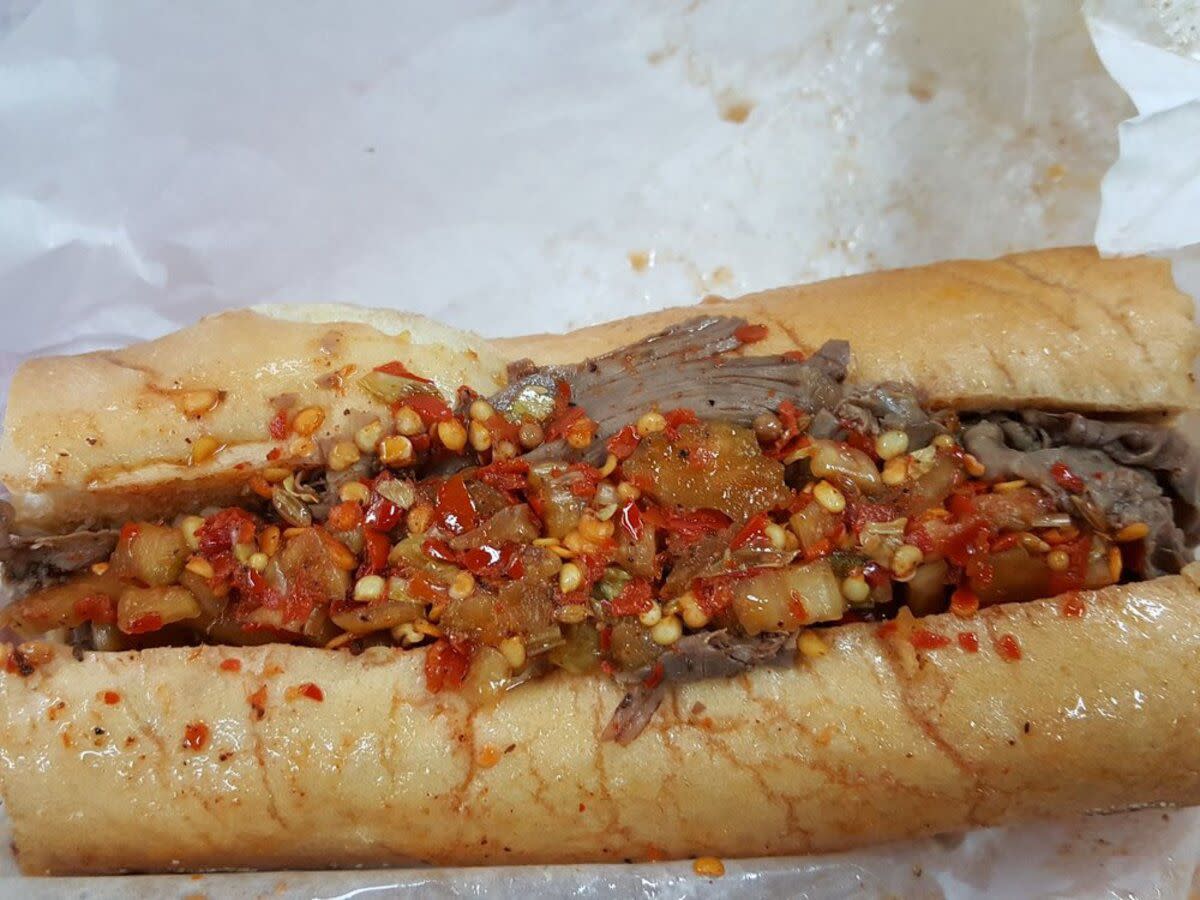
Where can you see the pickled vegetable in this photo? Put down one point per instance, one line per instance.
(631, 646)
(149, 553)
(710, 465)
(936, 479)
(813, 525)
(926, 592)
(844, 465)
(1012, 575)
(391, 388)
(560, 508)
(785, 599)
(512, 524)
(580, 650)
(489, 676)
(140, 610)
(365, 618)
(1013, 510)
(83, 599)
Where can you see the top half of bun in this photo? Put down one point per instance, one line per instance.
(101, 437)
(94, 438)
(1057, 328)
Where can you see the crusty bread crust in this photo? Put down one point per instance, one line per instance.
(1053, 328)
(103, 437)
(1099, 713)
(99, 438)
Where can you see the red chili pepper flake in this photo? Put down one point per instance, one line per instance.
(345, 516)
(144, 624)
(454, 507)
(795, 355)
(634, 599)
(797, 608)
(128, 532)
(480, 559)
(195, 736)
(563, 422)
(230, 665)
(311, 691)
(274, 454)
(439, 550)
(713, 595)
(1073, 607)
(630, 518)
(964, 603)
(224, 529)
(397, 368)
(624, 442)
(888, 629)
(688, 527)
(112, 698)
(430, 407)
(445, 666)
(502, 430)
(1067, 479)
(924, 639)
(968, 641)
(98, 608)
(383, 514)
(680, 416)
(278, 426)
(1008, 648)
(876, 575)
(1006, 542)
(505, 474)
(376, 548)
(424, 588)
(586, 479)
(751, 334)
(859, 515)
(676, 419)
(752, 533)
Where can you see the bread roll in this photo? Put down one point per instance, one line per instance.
(1054, 328)
(104, 437)
(181, 759)
(861, 745)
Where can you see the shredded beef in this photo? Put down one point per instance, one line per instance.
(1131, 472)
(695, 657)
(683, 367)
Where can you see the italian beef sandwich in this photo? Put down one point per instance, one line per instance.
(310, 586)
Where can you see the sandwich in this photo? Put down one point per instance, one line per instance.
(876, 558)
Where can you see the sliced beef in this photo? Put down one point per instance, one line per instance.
(40, 558)
(890, 406)
(709, 654)
(1130, 471)
(683, 367)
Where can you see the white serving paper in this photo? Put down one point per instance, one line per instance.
(512, 166)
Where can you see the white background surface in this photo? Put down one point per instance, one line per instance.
(502, 166)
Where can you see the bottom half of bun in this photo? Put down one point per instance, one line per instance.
(177, 759)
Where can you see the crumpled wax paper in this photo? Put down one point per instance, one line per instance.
(516, 166)
(1151, 196)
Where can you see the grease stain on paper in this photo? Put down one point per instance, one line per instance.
(734, 109)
